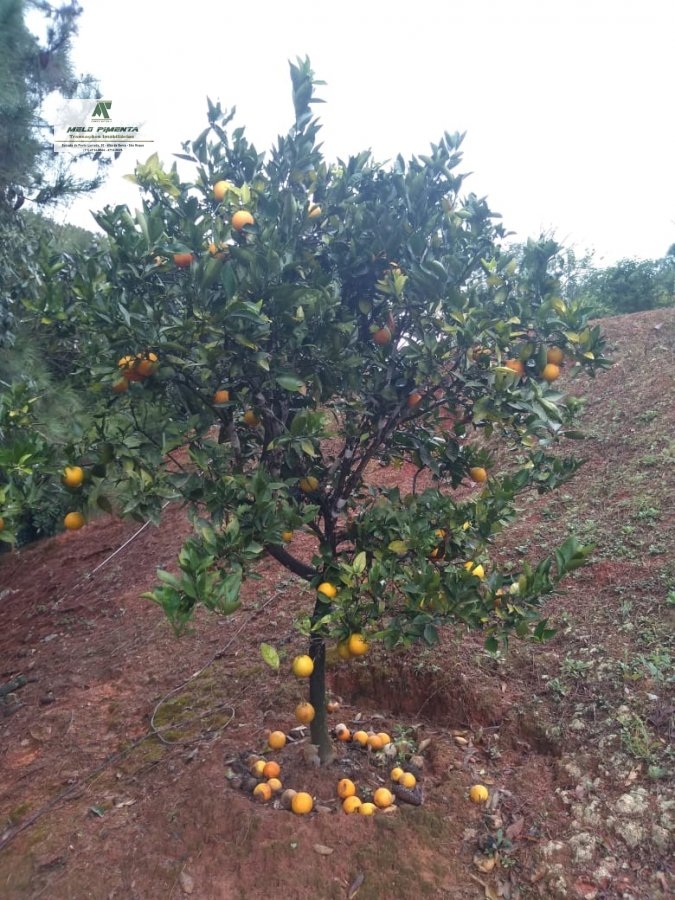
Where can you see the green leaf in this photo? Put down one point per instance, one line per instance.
(398, 547)
(270, 655)
(359, 563)
(290, 382)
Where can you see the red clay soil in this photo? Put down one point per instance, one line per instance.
(118, 739)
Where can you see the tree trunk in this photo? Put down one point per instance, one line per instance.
(317, 697)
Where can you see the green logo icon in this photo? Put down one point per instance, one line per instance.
(101, 109)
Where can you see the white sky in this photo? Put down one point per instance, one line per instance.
(568, 105)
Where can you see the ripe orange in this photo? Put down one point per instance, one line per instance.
(345, 788)
(120, 386)
(550, 372)
(343, 650)
(382, 336)
(361, 737)
(367, 809)
(328, 589)
(73, 521)
(478, 474)
(476, 570)
(314, 211)
(375, 742)
(308, 484)
(302, 803)
(351, 804)
(478, 793)
(221, 396)
(396, 773)
(302, 666)
(287, 536)
(257, 768)
(73, 476)
(383, 797)
(183, 260)
(384, 737)
(304, 712)
(357, 645)
(276, 741)
(332, 706)
(342, 733)
(275, 785)
(251, 418)
(555, 355)
(220, 188)
(241, 219)
(516, 366)
(407, 780)
(414, 399)
(271, 769)
(262, 792)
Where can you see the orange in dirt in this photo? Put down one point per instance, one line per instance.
(383, 798)
(550, 372)
(73, 476)
(276, 741)
(241, 219)
(384, 737)
(302, 803)
(396, 773)
(367, 809)
(275, 785)
(73, 521)
(257, 768)
(375, 742)
(345, 788)
(351, 804)
(361, 737)
(407, 780)
(262, 792)
(342, 733)
(271, 769)
(478, 793)
(304, 713)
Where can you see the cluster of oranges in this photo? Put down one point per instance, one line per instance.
(135, 368)
(550, 372)
(269, 785)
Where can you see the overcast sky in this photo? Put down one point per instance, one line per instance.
(568, 106)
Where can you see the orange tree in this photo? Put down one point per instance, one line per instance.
(290, 323)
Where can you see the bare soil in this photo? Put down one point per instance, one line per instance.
(117, 739)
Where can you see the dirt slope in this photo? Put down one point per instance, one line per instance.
(117, 739)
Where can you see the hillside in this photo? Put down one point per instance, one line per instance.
(117, 738)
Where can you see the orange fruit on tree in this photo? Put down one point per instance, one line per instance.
(478, 793)
(327, 589)
(351, 804)
(73, 476)
(302, 803)
(241, 219)
(414, 399)
(516, 366)
(276, 740)
(345, 788)
(357, 645)
(343, 650)
(262, 792)
(550, 372)
(73, 521)
(308, 484)
(314, 211)
(478, 474)
(304, 712)
(302, 666)
(251, 419)
(382, 336)
(555, 355)
(221, 396)
(183, 260)
(271, 769)
(120, 386)
(220, 188)
(383, 797)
